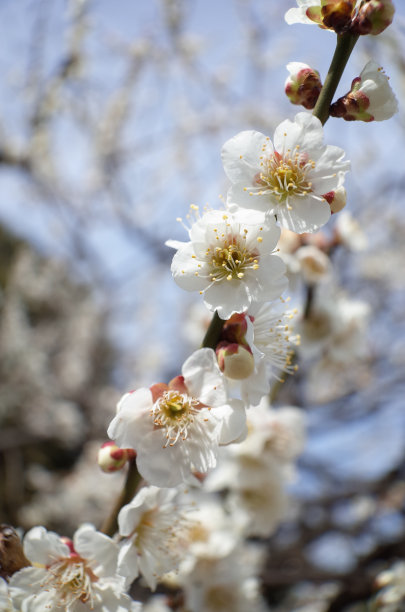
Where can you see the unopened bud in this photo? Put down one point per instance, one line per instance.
(111, 458)
(337, 14)
(235, 361)
(373, 17)
(303, 86)
(336, 199)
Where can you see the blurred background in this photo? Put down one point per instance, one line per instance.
(112, 118)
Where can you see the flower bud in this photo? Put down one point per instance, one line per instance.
(370, 98)
(111, 458)
(235, 361)
(303, 86)
(337, 14)
(336, 199)
(373, 17)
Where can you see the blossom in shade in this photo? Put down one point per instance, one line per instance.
(370, 98)
(155, 528)
(230, 259)
(290, 177)
(5, 599)
(303, 85)
(176, 429)
(73, 575)
(255, 471)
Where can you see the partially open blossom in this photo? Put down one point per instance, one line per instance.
(370, 98)
(303, 86)
(373, 17)
(288, 178)
(230, 260)
(111, 458)
(76, 575)
(176, 429)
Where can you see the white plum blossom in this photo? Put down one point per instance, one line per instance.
(212, 534)
(255, 471)
(230, 260)
(155, 528)
(75, 576)
(292, 177)
(176, 429)
(227, 583)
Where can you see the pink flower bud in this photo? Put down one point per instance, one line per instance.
(373, 17)
(235, 361)
(370, 98)
(111, 458)
(303, 86)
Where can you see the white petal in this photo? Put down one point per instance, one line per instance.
(133, 407)
(306, 131)
(233, 421)
(307, 215)
(43, 547)
(227, 297)
(185, 270)
(96, 546)
(241, 155)
(203, 377)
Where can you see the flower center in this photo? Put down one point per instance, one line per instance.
(174, 412)
(231, 260)
(72, 580)
(285, 175)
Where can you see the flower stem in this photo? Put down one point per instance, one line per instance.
(110, 526)
(211, 338)
(344, 46)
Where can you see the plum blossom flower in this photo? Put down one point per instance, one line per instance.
(75, 576)
(230, 260)
(291, 178)
(370, 98)
(176, 429)
(254, 472)
(155, 528)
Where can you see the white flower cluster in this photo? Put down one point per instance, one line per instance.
(212, 428)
